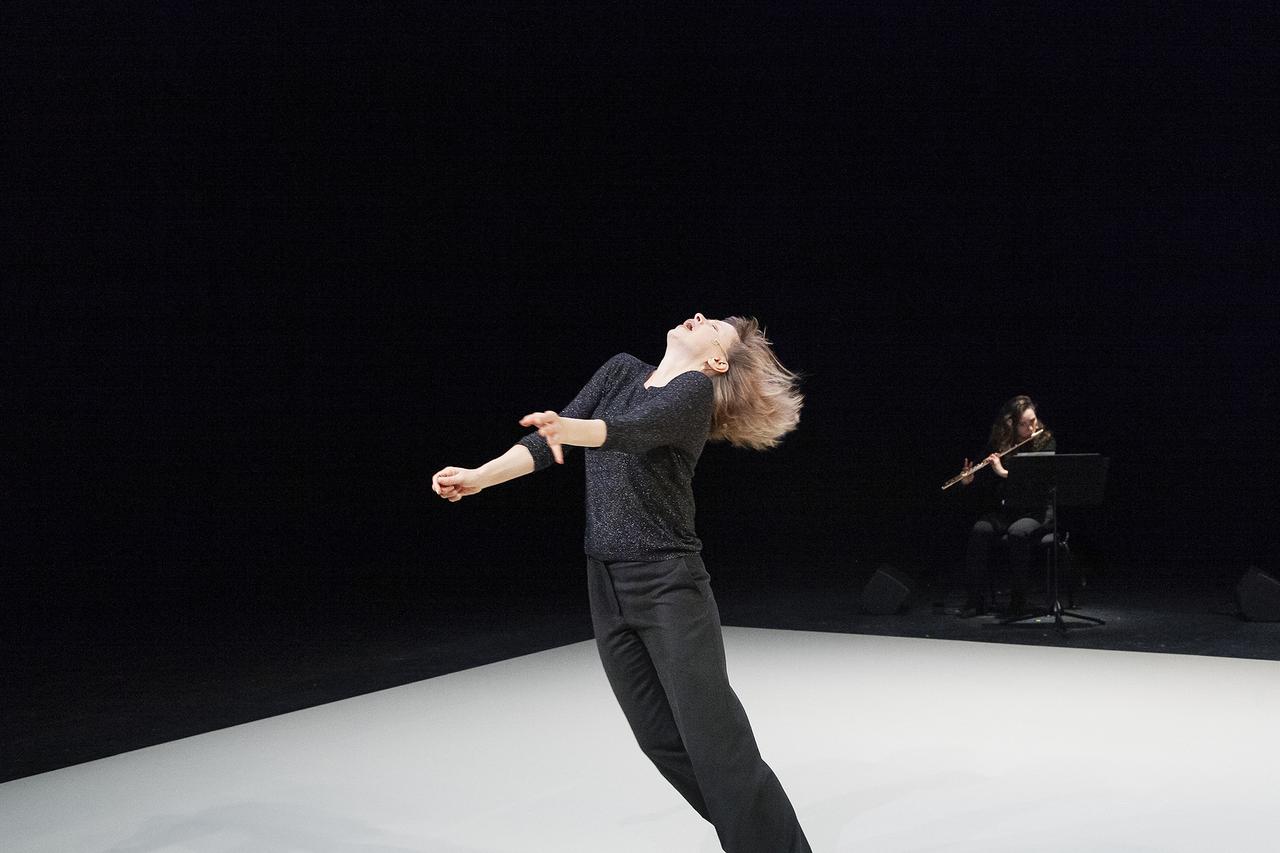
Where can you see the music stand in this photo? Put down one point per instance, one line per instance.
(1056, 479)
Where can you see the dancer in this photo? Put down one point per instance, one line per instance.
(1017, 526)
(656, 623)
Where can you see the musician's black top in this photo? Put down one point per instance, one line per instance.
(991, 488)
(640, 481)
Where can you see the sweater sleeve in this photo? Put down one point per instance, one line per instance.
(580, 406)
(680, 413)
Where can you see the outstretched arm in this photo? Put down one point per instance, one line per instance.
(453, 483)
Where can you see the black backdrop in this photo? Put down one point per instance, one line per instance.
(271, 269)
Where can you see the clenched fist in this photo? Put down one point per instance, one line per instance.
(453, 483)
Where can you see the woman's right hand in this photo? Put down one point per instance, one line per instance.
(453, 483)
(968, 478)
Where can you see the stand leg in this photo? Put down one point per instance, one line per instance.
(1055, 610)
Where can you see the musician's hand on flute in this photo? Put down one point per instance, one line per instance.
(966, 467)
(998, 466)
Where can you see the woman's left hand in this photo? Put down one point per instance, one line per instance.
(997, 465)
(549, 427)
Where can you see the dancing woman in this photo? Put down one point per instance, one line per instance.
(1016, 525)
(655, 619)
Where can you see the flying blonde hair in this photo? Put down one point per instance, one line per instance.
(757, 400)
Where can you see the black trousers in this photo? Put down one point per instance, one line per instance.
(657, 629)
(1019, 534)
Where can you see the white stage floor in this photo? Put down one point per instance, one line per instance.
(884, 744)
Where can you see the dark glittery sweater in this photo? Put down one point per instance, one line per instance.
(640, 481)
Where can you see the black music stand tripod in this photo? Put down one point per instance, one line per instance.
(1056, 479)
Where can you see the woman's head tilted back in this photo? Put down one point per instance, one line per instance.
(757, 400)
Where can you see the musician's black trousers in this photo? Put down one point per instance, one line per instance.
(657, 629)
(991, 528)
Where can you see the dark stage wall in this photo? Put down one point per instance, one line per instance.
(276, 270)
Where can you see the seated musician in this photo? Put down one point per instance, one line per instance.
(1016, 526)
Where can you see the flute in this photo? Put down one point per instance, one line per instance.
(985, 462)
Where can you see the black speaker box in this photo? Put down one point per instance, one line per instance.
(886, 592)
(1258, 595)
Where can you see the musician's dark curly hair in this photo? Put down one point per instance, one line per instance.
(1002, 431)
